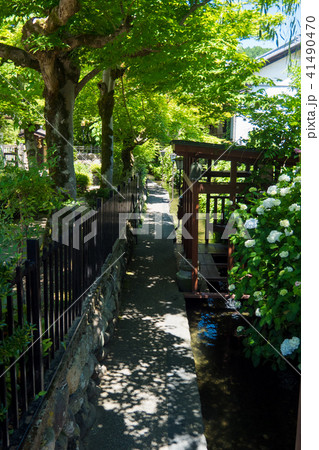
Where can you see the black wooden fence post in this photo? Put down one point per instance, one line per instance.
(33, 255)
(98, 238)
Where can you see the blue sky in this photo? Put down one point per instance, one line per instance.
(283, 33)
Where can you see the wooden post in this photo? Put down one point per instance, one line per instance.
(298, 433)
(194, 222)
(207, 205)
(233, 183)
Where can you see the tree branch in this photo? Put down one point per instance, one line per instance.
(85, 79)
(96, 41)
(58, 17)
(145, 52)
(191, 11)
(18, 56)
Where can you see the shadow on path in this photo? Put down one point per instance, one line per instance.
(149, 396)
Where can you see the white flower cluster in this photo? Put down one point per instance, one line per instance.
(270, 202)
(242, 206)
(231, 287)
(294, 207)
(284, 191)
(258, 312)
(237, 304)
(289, 233)
(284, 254)
(289, 269)
(250, 243)
(258, 296)
(272, 190)
(251, 224)
(284, 223)
(288, 346)
(260, 210)
(284, 177)
(283, 292)
(273, 236)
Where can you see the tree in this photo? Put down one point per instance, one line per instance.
(257, 50)
(276, 120)
(141, 115)
(18, 107)
(59, 36)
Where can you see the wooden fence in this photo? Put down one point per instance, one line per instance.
(47, 292)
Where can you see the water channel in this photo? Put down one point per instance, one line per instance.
(243, 407)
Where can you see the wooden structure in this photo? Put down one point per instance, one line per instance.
(234, 188)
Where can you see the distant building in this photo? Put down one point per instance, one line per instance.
(276, 67)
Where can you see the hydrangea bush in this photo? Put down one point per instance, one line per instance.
(267, 269)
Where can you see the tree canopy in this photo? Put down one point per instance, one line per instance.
(69, 41)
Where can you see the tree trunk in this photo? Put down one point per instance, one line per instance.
(61, 79)
(127, 156)
(106, 107)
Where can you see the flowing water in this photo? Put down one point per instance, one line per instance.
(243, 407)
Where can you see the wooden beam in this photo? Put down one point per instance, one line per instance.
(217, 174)
(206, 295)
(217, 188)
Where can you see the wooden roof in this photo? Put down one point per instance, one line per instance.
(225, 152)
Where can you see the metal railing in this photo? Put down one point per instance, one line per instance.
(47, 293)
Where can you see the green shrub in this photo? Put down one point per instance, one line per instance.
(82, 181)
(25, 197)
(95, 168)
(92, 196)
(267, 268)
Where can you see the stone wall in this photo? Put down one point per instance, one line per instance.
(67, 412)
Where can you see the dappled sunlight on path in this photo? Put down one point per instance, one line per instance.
(149, 396)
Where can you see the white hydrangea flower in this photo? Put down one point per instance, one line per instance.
(240, 329)
(258, 295)
(297, 179)
(284, 254)
(258, 313)
(289, 233)
(284, 191)
(294, 207)
(237, 304)
(231, 287)
(289, 269)
(251, 224)
(283, 292)
(242, 206)
(273, 236)
(270, 202)
(288, 346)
(284, 223)
(260, 210)
(284, 177)
(228, 202)
(250, 243)
(272, 190)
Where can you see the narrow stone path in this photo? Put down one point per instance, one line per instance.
(149, 396)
